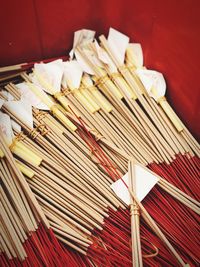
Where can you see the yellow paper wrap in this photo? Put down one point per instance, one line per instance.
(25, 153)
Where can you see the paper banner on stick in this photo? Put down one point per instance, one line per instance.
(72, 74)
(29, 96)
(48, 76)
(104, 57)
(145, 180)
(55, 70)
(81, 38)
(83, 64)
(22, 110)
(51, 74)
(118, 43)
(153, 82)
(6, 128)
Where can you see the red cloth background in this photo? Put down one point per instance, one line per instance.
(169, 32)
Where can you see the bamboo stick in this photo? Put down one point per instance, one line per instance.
(134, 212)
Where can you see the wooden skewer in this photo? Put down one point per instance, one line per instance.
(64, 229)
(95, 181)
(115, 159)
(13, 92)
(69, 226)
(83, 187)
(107, 131)
(135, 228)
(134, 149)
(74, 180)
(141, 148)
(59, 173)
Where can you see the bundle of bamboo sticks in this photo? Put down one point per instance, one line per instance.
(21, 218)
(93, 125)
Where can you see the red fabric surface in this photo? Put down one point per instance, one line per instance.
(168, 31)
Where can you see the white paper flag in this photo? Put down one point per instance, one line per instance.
(22, 110)
(72, 74)
(30, 97)
(145, 180)
(52, 73)
(104, 57)
(152, 79)
(118, 43)
(81, 38)
(84, 65)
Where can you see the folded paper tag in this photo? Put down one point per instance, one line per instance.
(29, 96)
(118, 43)
(22, 110)
(72, 74)
(145, 180)
(153, 82)
(81, 38)
(91, 55)
(84, 65)
(49, 76)
(104, 57)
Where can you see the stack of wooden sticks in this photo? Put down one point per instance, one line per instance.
(75, 127)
